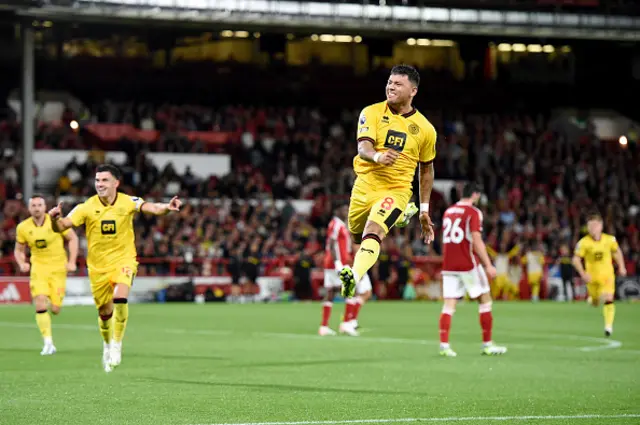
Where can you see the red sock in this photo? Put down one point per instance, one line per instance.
(356, 308)
(445, 326)
(349, 309)
(486, 322)
(326, 312)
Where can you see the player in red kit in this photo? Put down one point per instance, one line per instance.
(465, 254)
(338, 253)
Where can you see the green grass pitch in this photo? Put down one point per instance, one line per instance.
(222, 364)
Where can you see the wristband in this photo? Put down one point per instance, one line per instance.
(424, 207)
(377, 156)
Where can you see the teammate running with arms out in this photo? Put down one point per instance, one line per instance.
(462, 272)
(597, 249)
(108, 219)
(393, 138)
(337, 254)
(48, 265)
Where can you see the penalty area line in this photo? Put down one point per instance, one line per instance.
(444, 419)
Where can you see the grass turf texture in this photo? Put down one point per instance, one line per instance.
(210, 364)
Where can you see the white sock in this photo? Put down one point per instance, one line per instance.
(48, 340)
(444, 345)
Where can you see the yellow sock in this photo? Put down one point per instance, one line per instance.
(106, 330)
(367, 255)
(43, 319)
(609, 313)
(121, 315)
(535, 289)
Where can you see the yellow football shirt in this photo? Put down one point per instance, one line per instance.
(597, 255)
(47, 246)
(109, 230)
(410, 134)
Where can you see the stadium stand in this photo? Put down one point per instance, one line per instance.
(536, 181)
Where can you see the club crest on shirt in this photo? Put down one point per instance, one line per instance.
(414, 129)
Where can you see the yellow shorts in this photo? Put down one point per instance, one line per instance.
(102, 284)
(51, 283)
(534, 278)
(384, 207)
(503, 283)
(600, 286)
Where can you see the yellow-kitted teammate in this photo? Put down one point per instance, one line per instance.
(111, 257)
(597, 250)
(502, 284)
(48, 265)
(534, 261)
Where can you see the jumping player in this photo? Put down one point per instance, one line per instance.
(393, 138)
(461, 271)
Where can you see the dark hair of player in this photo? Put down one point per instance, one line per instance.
(594, 216)
(109, 168)
(412, 74)
(470, 188)
(37, 196)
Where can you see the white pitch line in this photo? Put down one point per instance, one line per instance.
(450, 419)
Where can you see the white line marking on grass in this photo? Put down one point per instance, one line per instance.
(450, 419)
(609, 344)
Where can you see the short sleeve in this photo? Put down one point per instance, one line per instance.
(20, 235)
(614, 244)
(66, 232)
(136, 204)
(428, 148)
(78, 215)
(367, 125)
(475, 223)
(581, 249)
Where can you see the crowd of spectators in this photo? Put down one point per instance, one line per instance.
(539, 184)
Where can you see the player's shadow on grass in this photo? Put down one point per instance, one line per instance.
(91, 352)
(306, 363)
(282, 387)
(134, 355)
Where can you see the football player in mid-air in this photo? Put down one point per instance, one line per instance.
(393, 138)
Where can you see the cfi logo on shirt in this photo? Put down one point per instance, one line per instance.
(108, 227)
(41, 243)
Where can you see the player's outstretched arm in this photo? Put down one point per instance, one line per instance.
(480, 248)
(159, 208)
(619, 259)
(19, 252)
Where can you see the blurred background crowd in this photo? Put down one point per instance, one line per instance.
(518, 116)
